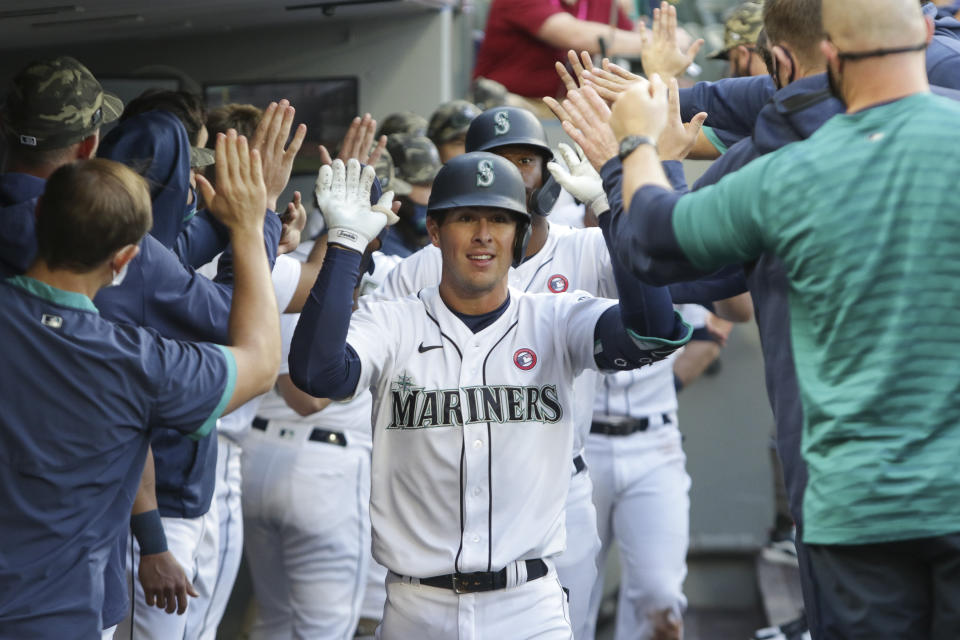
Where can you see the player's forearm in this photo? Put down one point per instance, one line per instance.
(628, 232)
(695, 358)
(145, 523)
(733, 104)
(642, 168)
(321, 362)
(254, 318)
(309, 271)
(201, 240)
(303, 403)
(563, 31)
(272, 228)
(710, 290)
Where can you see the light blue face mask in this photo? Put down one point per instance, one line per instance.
(191, 209)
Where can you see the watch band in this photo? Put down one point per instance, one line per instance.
(631, 143)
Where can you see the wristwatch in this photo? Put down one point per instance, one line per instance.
(629, 144)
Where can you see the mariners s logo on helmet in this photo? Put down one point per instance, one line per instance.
(485, 174)
(525, 359)
(501, 122)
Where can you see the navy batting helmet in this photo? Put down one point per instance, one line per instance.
(482, 179)
(513, 126)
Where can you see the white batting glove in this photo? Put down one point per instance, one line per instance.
(582, 180)
(343, 193)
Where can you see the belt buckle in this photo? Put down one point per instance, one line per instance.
(471, 583)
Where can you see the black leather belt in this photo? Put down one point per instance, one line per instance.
(579, 464)
(317, 435)
(483, 580)
(624, 427)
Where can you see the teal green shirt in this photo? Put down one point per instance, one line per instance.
(871, 245)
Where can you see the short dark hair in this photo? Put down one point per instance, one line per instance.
(89, 210)
(797, 23)
(244, 118)
(188, 108)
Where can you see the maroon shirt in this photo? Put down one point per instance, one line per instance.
(512, 54)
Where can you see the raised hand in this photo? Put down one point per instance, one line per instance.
(294, 220)
(270, 139)
(240, 199)
(579, 64)
(610, 80)
(585, 116)
(678, 138)
(661, 53)
(343, 193)
(579, 178)
(358, 143)
(641, 110)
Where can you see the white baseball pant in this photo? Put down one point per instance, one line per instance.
(307, 532)
(577, 565)
(535, 609)
(204, 614)
(193, 542)
(641, 492)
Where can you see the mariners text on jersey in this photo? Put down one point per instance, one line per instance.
(418, 408)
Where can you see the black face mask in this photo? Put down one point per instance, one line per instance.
(415, 215)
(835, 80)
(775, 69)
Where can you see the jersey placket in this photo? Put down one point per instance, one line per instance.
(476, 467)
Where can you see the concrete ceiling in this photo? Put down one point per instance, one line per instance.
(40, 23)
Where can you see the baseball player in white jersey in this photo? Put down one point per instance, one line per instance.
(306, 493)
(641, 492)
(473, 401)
(568, 260)
(217, 559)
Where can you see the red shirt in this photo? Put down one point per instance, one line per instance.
(512, 54)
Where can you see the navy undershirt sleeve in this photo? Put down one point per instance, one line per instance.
(201, 240)
(732, 104)
(644, 311)
(321, 362)
(272, 228)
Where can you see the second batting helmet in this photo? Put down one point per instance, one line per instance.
(483, 180)
(513, 126)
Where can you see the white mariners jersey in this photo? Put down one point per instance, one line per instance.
(472, 432)
(350, 418)
(645, 392)
(571, 259)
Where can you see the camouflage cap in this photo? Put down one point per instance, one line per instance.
(200, 157)
(403, 122)
(487, 93)
(54, 103)
(415, 159)
(451, 120)
(742, 27)
(385, 171)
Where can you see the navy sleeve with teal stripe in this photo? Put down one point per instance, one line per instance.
(193, 383)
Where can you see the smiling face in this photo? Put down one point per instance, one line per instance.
(477, 248)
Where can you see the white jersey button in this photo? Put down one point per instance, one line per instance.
(477, 491)
(477, 444)
(476, 538)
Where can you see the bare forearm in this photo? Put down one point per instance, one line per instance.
(736, 309)
(563, 31)
(696, 356)
(308, 276)
(301, 402)
(146, 498)
(254, 318)
(642, 168)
